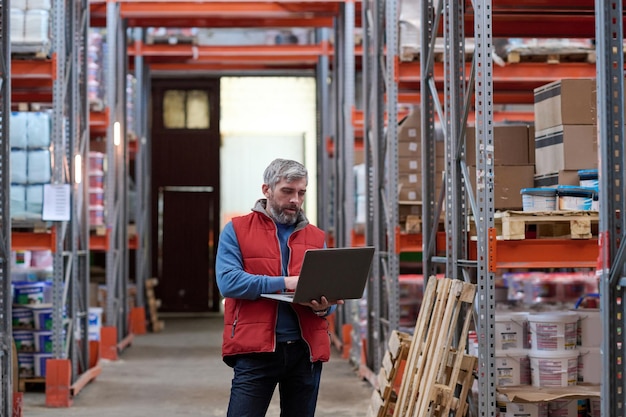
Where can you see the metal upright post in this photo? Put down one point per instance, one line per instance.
(454, 130)
(6, 328)
(78, 294)
(59, 133)
(373, 17)
(115, 183)
(612, 260)
(431, 206)
(324, 129)
(391, 265)
(486, 235)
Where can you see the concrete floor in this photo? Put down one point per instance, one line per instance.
(179, 372)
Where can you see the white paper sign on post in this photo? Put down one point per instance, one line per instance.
(56, 202)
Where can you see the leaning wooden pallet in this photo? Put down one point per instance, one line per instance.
(435, 367)
(383, 399)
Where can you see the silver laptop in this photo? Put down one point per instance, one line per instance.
(336, 273)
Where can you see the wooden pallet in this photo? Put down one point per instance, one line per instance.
(520, 225)
(153, 304)
(554, 57)
(434, 371)
(32, 384)
(383, 399)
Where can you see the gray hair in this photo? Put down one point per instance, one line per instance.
(286, 169)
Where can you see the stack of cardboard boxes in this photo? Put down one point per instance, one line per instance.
(565, 131)
(513, 163)
(410, 170)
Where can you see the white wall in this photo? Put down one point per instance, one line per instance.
(263, 118)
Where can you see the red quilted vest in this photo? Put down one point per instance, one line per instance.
(249, 325)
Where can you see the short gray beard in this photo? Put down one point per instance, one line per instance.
(281, 217)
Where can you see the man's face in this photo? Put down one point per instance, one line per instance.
(284, 202)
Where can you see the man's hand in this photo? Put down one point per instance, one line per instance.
(291, 282)
(321, 307)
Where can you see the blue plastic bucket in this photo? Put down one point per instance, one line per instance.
(538, 199)
(22, 318)
(43, 318)
(24, 340)
(26, 365)
(43, 341)
(25, 293)
(39, 363)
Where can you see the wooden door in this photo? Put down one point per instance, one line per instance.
(185, 192)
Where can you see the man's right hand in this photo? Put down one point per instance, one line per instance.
(291, 282)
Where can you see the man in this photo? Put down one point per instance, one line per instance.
(267, 342)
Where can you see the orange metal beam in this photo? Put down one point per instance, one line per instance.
(544, 253)
(34, 240)
(224, 14)
(275, 54)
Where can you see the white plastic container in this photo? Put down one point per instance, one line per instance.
(21, 259)
(590, 365)
(553, 331)
(95, 323)
(538, 199)
(96, 215)
(589, 327)
(96, 161)
(574, 198)
(511, 330)
(512, 367)
(553, 368)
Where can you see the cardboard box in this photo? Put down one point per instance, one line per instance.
(409, 128)
(565, 102)
(510, 145)
(410, 187)
(413, 149)
(566, 147)
(563, 177)
(508, 183)
(411, 165)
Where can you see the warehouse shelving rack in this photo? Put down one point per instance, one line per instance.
(61, 81)
(478, 261)
(71, 367)
(6, 327)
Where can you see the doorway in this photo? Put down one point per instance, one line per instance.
(185, 192)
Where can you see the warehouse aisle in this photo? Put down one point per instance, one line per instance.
(179, 372)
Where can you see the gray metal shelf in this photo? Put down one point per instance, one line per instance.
(460, 199)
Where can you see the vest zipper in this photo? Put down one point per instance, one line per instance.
(232, 333)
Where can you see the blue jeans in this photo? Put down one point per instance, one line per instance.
(256, 377)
